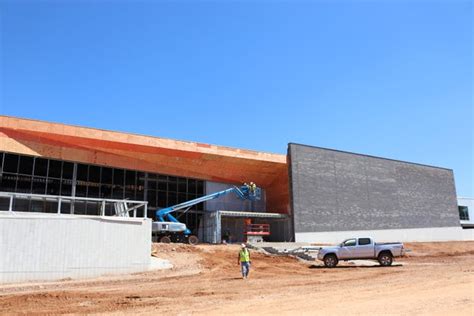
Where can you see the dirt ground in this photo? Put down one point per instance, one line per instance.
(435, 279)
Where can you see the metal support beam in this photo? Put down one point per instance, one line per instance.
(73, 189)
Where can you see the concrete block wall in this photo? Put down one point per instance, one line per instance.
(50, 247)
(336, 191)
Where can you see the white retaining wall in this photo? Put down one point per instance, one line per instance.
(387, 235)
(38, 246)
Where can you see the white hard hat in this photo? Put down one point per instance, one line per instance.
(243, 245)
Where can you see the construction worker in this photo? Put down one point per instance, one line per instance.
(226, 237)
(244, 261)
(253, 187)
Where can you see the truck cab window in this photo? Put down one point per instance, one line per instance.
(364, 241)
(349, 243)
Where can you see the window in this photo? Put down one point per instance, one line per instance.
(82, 171)
(151, 184)
(21, 205)
(93, 208)
(55, 167)
(93, 184)
(26, 165)
(53, 186)
(117, 190)
(162, 199)
(66, 187)
(81, 188)
(140, 190)
(68, 169)
(39, 185)
(41, 167)
(350, 243)
(364, 241)
(106, 176)
(151, 197)
(172, 198)
(8, 182)
(118, 177)
(94, 174)
(463, 213)
(93, 190)
(23, 184)
(106, 183)
(80, 208)
(37, 175)
(182, 197)
(162, 184)
(200, 188)
(11, 163)
(130, 178)
(191, 186)
(182, 186)
(172, 184)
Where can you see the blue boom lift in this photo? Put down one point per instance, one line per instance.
(167, 228)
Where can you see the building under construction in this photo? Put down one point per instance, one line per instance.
(310, 194)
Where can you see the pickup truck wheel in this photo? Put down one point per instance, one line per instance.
(330, 261)
(165, 240)
(385, 259)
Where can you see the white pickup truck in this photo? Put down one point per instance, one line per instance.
(361, 248)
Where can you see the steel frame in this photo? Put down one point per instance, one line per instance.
(122, 207)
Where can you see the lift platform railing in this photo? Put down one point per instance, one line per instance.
(257, 230)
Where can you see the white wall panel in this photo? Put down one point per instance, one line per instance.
(50, 246)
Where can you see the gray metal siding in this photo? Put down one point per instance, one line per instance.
(339, 191)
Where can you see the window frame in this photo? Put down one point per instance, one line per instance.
(463, 212)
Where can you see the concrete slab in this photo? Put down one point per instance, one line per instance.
(159, 264)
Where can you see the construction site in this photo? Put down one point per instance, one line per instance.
(434, 279)
(96, 221)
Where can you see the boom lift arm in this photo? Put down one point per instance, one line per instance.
(245, 192)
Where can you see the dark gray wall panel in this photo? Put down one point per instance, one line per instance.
(338, 191)
(231, 202)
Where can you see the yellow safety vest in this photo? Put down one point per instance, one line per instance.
(244, 255)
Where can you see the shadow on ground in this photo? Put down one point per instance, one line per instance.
(355, 267)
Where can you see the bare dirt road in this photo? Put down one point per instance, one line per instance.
(436, 279)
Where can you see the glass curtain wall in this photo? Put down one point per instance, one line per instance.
(27, 174)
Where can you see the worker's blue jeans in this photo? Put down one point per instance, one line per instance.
(245, 266)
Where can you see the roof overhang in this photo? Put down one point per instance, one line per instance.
(146, 153)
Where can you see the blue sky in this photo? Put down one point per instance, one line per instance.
(385, 78)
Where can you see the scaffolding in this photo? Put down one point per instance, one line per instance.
(66, 204)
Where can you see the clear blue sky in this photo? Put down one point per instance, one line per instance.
(385, 78)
